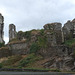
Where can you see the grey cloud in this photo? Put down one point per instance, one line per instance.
(30, 14)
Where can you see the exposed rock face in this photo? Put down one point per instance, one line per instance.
(56, 51)
(12, 31)
(54, 33)
(62, 63)
(69, 29)
(59, 57)
(1, 28)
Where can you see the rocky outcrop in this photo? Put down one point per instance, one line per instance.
(54, 33)
(69, 29)
(34, 35)
(56, 51)
(60, 57)
(65, 63)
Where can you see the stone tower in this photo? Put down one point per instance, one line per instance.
(12, 32)
(1, 28)
(53, 33)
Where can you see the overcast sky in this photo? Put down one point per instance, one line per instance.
(34, 14)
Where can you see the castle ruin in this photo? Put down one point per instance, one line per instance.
(61, 54)
(12, 32)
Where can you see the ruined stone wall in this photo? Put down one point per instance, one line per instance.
(69, 29)
(1, 28)
(19, 48)
(54, 33)
(12, 31)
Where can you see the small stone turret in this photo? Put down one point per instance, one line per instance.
(12, 31)
(1, 28)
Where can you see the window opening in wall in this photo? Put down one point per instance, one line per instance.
(12, 29)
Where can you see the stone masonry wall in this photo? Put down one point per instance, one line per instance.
(19, 48)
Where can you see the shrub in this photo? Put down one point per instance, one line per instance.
(55, 70)
(31, 58)
(1, 65)
(27, 34)
(42, 41)
(26, 60)
(34, 47)
(42, 32)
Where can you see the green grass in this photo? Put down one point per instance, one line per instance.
(19, 62)
(11, 60)
(15, 39)
(69, 42)
(45, 69)
(31, 58)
